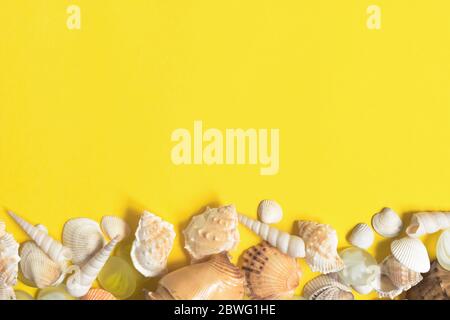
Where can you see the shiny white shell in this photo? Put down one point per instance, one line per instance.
(412, 253)
(387, 223)
(443, 250)
(269, 211)
(361, 236)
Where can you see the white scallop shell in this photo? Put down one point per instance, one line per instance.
(443, 250)
(211, 232)
(152, 245)
(412, 253)
(114, 227)
(427, 222)
(387, 223)
(361, 236)
(84, 237)
(37, 268)
(270, 211)
(9, 259)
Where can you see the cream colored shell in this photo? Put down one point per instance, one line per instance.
(327, 287)
(443, 250)
(401, 276)
(427, 222)
(387, 223)
(9, 258)
(212, 232)
(152, 245)
(412, 253)
(361, 236)
(269, 211)
(114, 227)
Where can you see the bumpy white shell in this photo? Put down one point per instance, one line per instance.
(427, 222)
(152, 245)
(443, 250)
(9, 258)
(84, 237)
(361, 236)
(387, 223)
(114, 227)
(412, 253)
(270, 211)
(211, 232)
(37, 268)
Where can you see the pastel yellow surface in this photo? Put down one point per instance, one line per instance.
(87, 114)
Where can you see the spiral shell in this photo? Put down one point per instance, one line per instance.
(427, 222)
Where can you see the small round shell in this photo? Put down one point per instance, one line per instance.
(387, 223)
(412, 253)
(270, 211)
(361, 236)
(114, 227)
(443, 250)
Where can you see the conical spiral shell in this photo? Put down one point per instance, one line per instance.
(361, 236)
(283, 241)
(402, 277)
(269, 211)
(434, 286)
(98, 294)
(269, 273)
(79, 283)
(215, 279)
(9, 259)
(387, 223)
(411, 253)
(427, 222)
(327, 287)
(114, 227)
(321, 246)
(38, 268)
(211, 232)
(83, 237)
(54, 249)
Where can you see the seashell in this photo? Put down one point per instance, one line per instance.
(152, 245)
(7, 293)
(98, 294)
(118, 278)
(83, 237)
(321, 246)
(9, 260)
(411, 253)
(387, 223)
(37, 268)
(443, 250)
(115, 227)
(54, 249)
(364, 289)
(54, 293)
(269, 273)
(2, 229)
(283, 241)
(269, 212)
(215, 279)
(385, 288)
(402, 277)
(434, 286)
(211, 232)
(327, 287)
(427, 222)
(361, 236)
(79, 283)
(359, 267)
(22, 295)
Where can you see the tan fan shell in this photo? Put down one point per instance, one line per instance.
(327, 287)
(152, 245)
(214, 231)
(269, 273)
(84, 237)
(38, 268)
(215, 279)
(321, 246)
(114, 227)
(402, 277)
(9, 259)
(434, 286)
(98, 294)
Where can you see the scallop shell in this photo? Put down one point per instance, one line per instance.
(361, 236)
(402, 277)
(152, 245)
(215, 279)
(434, 286)
(214, 231)
(7, 293)
(443, 250)
(269, 273)
(9, 260)
(321, 243)
(387, 223)
(98, 294)
(37, 268)
(411, 253)
(84, 237)
(327, 287)
(269, 211)
(427, 222)
(385, 288)
(114, 227)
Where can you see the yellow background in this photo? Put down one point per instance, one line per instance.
(86, 115)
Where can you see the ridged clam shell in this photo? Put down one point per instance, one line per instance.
(402, 277)
(385, 288)
(215, 279)
(269, 273)
(327, 287)
(114, 227)
(387, 223)
(434, 286)
(9, 260)
(98, 294)
(153, 242)
(321, 246)
(427, 222)
(411, 253)
(443, 250)
(361, 236)
(211, 232)
(38, 268)
(84, 237)
(269, 211)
